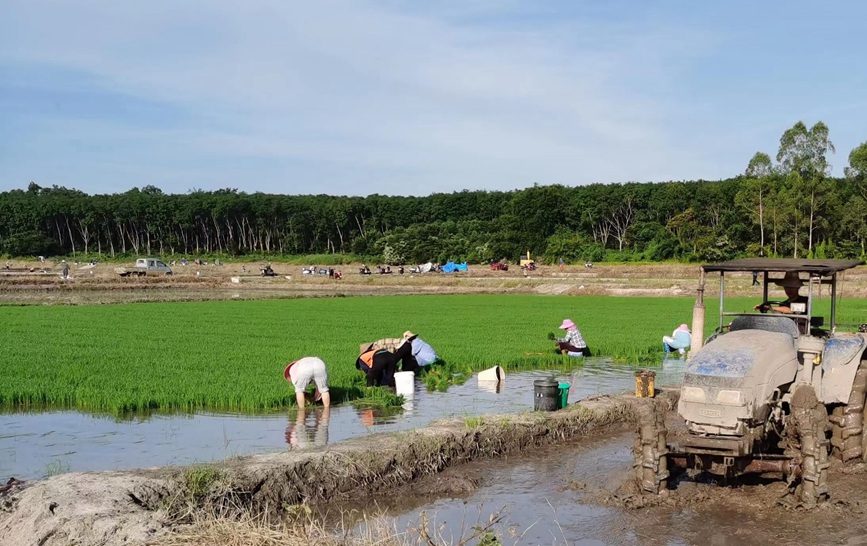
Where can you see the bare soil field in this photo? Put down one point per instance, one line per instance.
(100, 284)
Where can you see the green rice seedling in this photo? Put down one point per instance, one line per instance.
(379, 397)
(230, 355)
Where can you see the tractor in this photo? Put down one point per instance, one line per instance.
(771, 392)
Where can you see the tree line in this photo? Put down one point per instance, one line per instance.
(787, 207)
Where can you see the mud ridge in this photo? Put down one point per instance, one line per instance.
(136, 507)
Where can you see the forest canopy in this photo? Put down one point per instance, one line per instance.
(790, 207)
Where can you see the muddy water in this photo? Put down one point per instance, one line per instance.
(552, 496)
(532, 495)
(33, 445)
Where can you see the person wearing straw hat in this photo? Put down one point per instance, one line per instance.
(379, 364)
(573, 344)
(421, 353)
(679, 340)
(304, 370)
(790, 282)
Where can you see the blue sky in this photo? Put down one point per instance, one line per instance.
(411, 98)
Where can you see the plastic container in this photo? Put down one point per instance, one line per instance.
(404, 383)
(564, 394)
(644, 384)
(546, 395)
(492, 374)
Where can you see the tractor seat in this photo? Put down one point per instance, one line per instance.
(769, 323)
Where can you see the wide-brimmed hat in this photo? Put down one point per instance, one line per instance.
(286, 371)
(409, 335)
(567, 324)
(364, 347)
(791, 279)
(683, 327)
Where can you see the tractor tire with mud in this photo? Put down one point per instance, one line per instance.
(848, 441)
(807, 442)
(650, 450)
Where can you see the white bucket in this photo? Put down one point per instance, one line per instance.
(404, 383)
(492, 374)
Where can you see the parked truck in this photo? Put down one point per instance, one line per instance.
(144, 267)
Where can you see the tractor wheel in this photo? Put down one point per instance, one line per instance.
(847, 421)
(807, 437)
(650, 448)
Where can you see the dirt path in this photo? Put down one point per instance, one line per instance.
(99, 284)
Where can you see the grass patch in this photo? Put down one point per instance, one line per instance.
(199, 479)
(474, 422)
(230, 355)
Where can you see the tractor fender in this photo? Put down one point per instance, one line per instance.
(840, 361)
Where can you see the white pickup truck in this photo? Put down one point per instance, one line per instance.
(143, 267)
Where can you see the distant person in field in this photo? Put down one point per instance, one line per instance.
(573, 343)
(421, 353)
(64, 269)
(304, 370)
(379, 360)
(679, 340)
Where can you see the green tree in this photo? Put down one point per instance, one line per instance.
(856, 172)
(802, 157)
(754, 192)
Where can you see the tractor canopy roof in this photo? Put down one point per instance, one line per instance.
(818, 267)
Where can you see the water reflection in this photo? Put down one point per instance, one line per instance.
(33, 443)
(310, 428)
(495, 387)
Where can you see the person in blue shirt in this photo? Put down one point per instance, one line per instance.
(678, 341)
(421, 355)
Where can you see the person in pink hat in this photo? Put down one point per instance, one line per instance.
(679, 340)
(573, 344)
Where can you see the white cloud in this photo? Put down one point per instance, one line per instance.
(401, 102)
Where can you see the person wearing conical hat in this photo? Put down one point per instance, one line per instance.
(791, 283)
(379, 364)
(573, 344)
(421, 355)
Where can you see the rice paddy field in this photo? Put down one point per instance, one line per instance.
(229, 355)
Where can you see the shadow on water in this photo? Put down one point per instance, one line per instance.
(34, 445)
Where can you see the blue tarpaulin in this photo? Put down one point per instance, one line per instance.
(451, 267)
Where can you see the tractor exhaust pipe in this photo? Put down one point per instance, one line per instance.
(698, 317)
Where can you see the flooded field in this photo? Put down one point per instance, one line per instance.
(34, 445)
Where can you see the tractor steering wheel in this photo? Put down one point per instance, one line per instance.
(766, 306)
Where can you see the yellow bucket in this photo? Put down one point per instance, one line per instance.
(644, 384)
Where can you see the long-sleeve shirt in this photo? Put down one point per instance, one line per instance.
(424, 354)
(574, 338)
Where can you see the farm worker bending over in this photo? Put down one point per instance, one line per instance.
(378, 364)
(679, 340)
(421, 354)
(304, 370)
(390, 344)
(573, 344)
